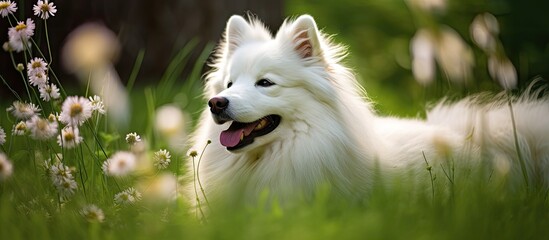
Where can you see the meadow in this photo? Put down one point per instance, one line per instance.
(104, 160)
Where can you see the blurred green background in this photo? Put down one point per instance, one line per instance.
(378, 33)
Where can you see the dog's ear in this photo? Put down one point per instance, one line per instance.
(305, 37)
(236, 32)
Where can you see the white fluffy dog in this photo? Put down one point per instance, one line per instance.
(286, 117)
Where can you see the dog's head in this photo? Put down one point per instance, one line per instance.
(261, 85)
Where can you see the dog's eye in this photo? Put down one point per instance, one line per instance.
(229, 84)
(264, 83)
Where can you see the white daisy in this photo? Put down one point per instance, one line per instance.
(57, 171)
(38, 79)
(97, 104)
(17, 45)
(6, 167)
(75, 111)
(23, 111)
(2, 136)
(44, 9)
(62, 178)
(69, 137)
(92, 213)
(19, 129)
(20, 34)
(503, 70)
(132, 138)
(41, 128)
(49, 92)
(7, 7)
(162, 159)
(36, 65)
(119, 164)
(66, 187)
(128, 196)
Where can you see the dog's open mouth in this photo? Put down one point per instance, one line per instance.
(241, 134)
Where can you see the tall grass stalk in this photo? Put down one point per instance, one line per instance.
(135, 70)
(197, 198)
(198, 174)
(516, 140)
(430, 170)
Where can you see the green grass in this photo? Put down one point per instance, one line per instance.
(468, 207)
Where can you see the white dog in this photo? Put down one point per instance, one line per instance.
(286, 117)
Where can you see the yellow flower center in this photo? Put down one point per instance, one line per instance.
(121, 164)
(4, 5)
(92, 215)
(69, 136)
(45, 8)
(76, 109)
(20, 26)
(36, 64)
(20, 126)
(42, 125)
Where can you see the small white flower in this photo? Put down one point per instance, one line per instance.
(19, 129)
(66, 187)
(41, 129)
(422, 47)
(57, 171)
(44, 9)
(429, 5)
(38, 79)
(97, 104)
(92, 213)
(132, 138)
(162, 159)
(6, 167)
(502, 70)
(2, 136)
(20, 34)
(119, 164)
(484, 30)
(170, 123)
(454, 55)
(7, 7)
(18, 45)
(23, 111)
(49, 92)
(36, 65)
(75, 111)
(128, 196)
(62, 178)
(69, 138)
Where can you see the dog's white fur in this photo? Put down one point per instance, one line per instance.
(329, 133)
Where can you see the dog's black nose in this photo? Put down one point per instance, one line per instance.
(218, 104)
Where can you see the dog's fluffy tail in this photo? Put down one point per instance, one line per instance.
(487, 122)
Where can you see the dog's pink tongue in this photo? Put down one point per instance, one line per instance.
(231, 136)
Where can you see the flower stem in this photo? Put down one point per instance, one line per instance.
(198, 173)
(48, 40)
